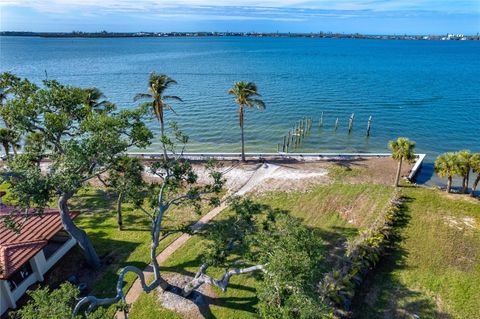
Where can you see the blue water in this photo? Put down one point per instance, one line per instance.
(425, 90)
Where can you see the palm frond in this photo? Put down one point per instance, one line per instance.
(140, 96)
(172, 97)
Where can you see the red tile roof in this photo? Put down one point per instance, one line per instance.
(17, 248)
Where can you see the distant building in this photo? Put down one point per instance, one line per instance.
(26, 256)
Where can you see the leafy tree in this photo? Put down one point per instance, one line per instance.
(257, 238)
(81, 143)
(463, 168)
(402, 150)
(446, 166)
(177, 186)
(246, 95)
(125, 178)
(9, 138)
(157, 85)
(475, 164)
(52, 304)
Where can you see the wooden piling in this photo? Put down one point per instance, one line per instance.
(369, 125)
(350, 123)
(284, 143)
(288, 140)
(321, 120)
(336, 124)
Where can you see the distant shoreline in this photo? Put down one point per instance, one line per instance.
(104, 34)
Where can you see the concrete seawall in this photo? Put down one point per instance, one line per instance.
(285, 156)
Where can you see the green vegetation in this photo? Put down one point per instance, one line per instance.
(326, 209)
(432, 272)
(402, 150)
(246, 95)
(148, 306)
(157, 85)
(459, 163)
(82, 138)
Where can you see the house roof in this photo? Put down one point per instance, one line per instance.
(17, 248)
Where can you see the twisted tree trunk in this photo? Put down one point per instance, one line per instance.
(79, 234)
(222, 283)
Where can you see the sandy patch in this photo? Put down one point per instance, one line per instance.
(460, 223)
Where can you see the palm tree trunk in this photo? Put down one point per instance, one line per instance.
(119, 210)
(449, 184)
(79, 234)
(399, 170)
(475, 184)
(162, 132)
(243, 139)
(465, 182)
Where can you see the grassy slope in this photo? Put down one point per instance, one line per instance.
(319, 208)
(434, 271)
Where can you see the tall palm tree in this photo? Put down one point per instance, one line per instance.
(475, 165)
(446, 165)
(402, 149)
(246, 95)
(463, 167)
(157, 85)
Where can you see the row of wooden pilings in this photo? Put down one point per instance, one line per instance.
(301, 129)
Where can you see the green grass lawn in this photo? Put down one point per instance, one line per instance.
(434, 271)
(320, 208)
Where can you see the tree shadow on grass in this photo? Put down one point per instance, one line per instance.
(382, 295)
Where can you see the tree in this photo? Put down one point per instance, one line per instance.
(178, 186)
(9, 138)
(93, 101)
(125, 178)
(52, 304)
(285, 253)
(463, 168)
(10, 85)
(475, 164)
(446, 165)
(81, 144)
(46, 304)
(402, 149)
(157, 85)
(246, 95)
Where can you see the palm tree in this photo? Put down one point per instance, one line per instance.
(93, 100)
(246, 95)
(446, 165)
(157, 85)
(475, 165)
(8, 137)
(402, 149)
(463, 167)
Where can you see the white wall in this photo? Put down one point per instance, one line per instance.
(40, 265)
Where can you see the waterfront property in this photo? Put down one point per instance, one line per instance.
(26, 255)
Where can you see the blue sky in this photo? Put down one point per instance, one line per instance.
(364, 16)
